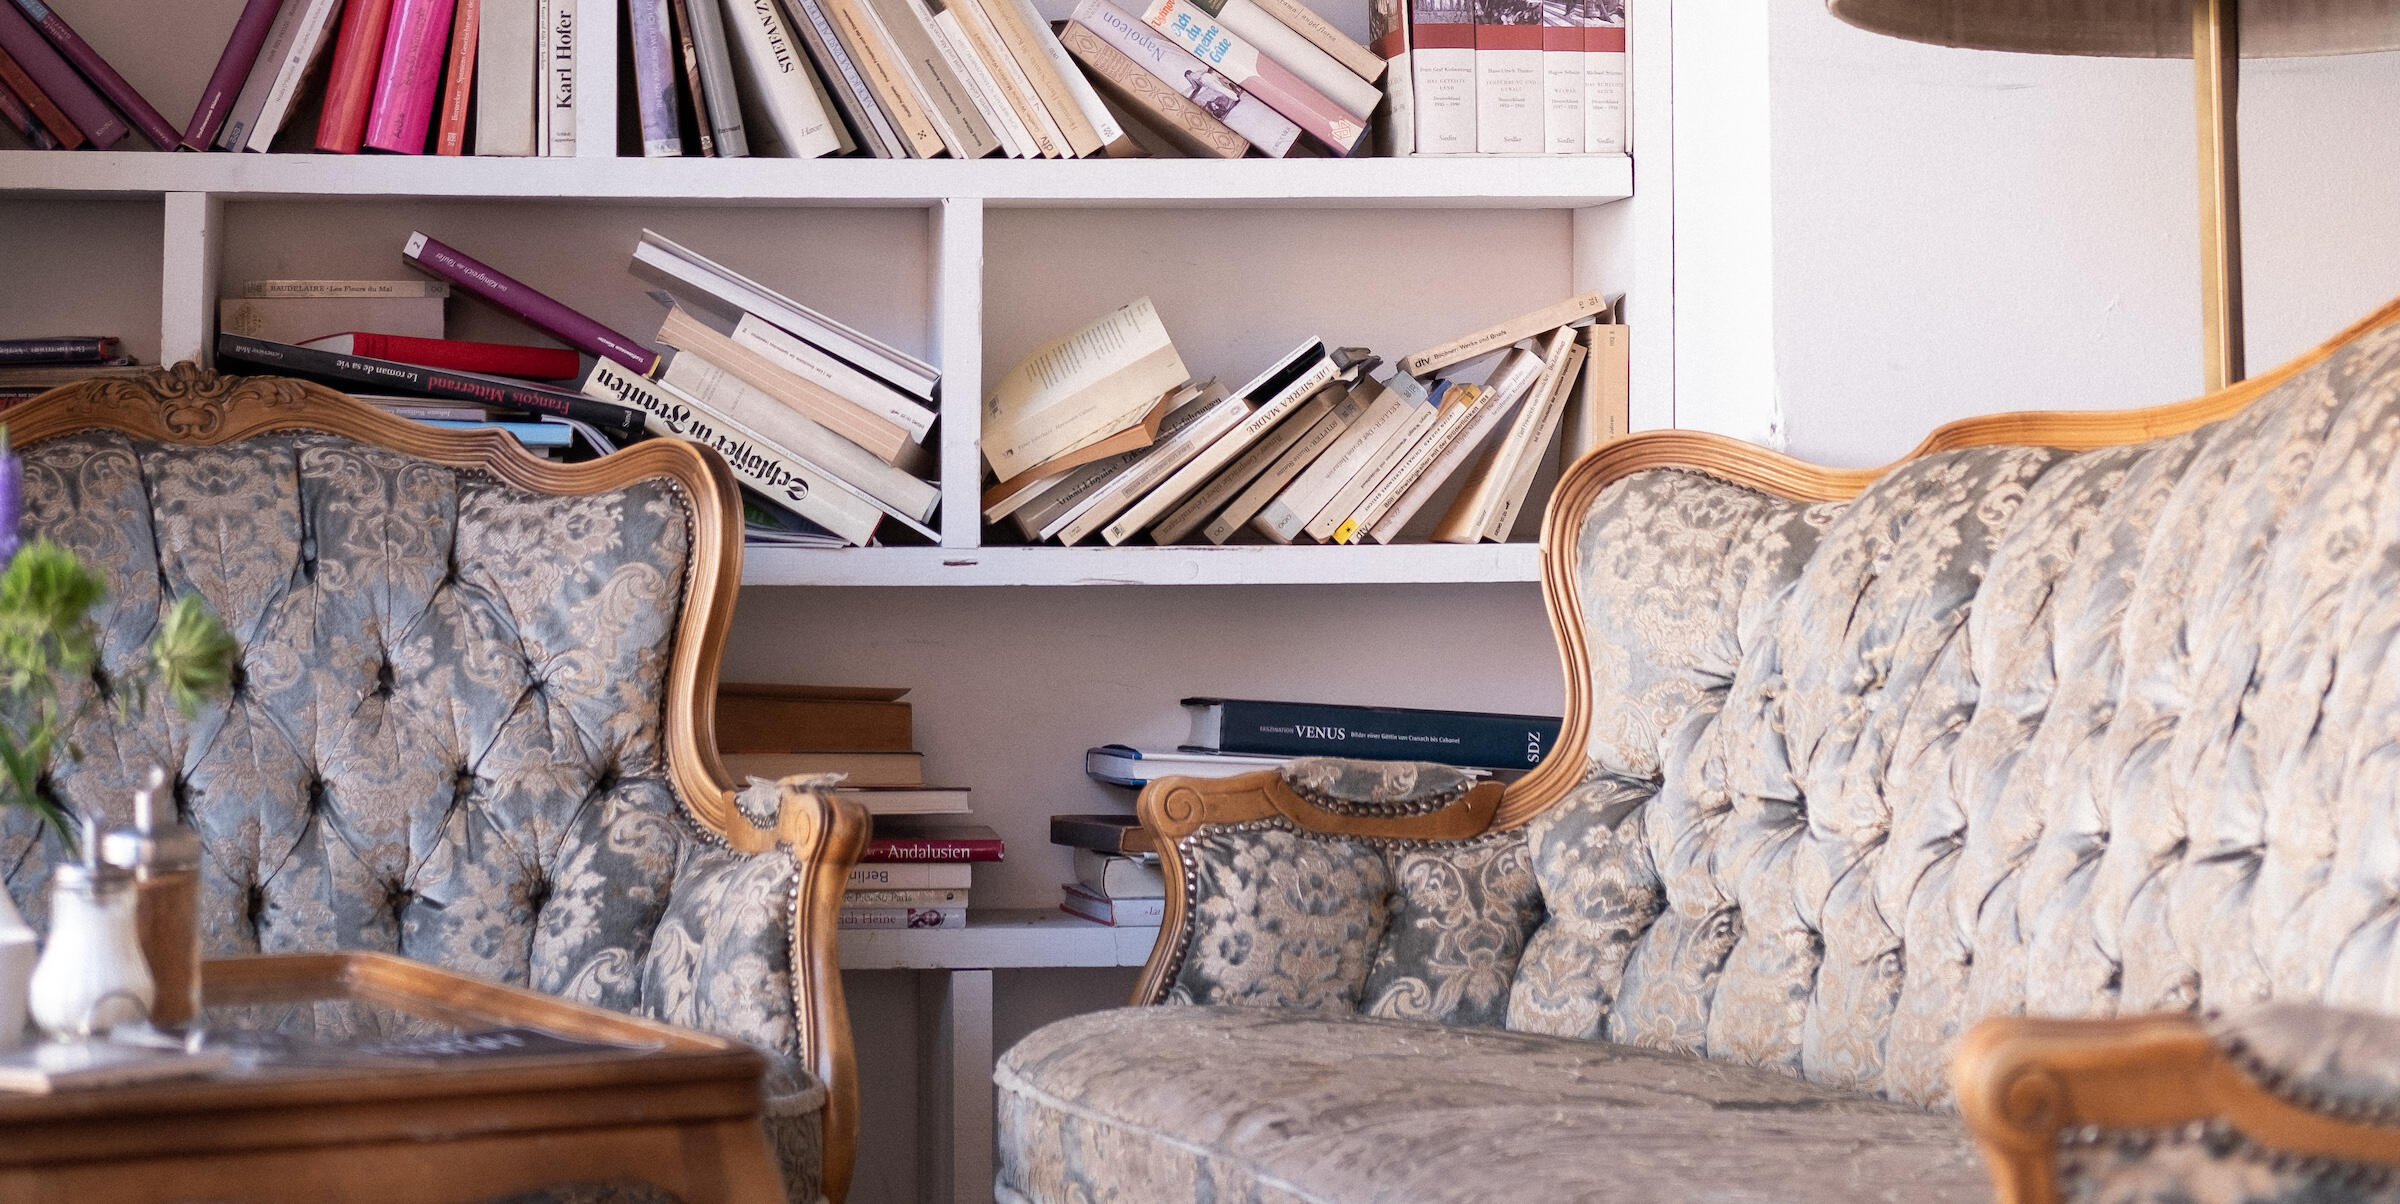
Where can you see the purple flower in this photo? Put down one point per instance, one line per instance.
(11, 502)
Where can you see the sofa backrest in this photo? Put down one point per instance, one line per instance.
(447, 734)
(2013, 730)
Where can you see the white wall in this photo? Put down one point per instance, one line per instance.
(1959, 232)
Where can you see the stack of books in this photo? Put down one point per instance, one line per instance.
(40, 363)
(1104, 434)
(916, 872)
(824, 425)
(1120, 890)
(1233, 736)
(398, 76)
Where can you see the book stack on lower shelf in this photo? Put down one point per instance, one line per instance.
(1121, 890)
(38, 363)
(1104, 433)
(916, 870)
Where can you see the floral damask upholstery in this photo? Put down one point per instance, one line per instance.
(2015, 730)
(445, 736)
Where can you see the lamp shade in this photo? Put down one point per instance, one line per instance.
(2129, 28)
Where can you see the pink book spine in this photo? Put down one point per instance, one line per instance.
(411, 76)
(57, 80)
(241, 50)
(540, 310)
(1192, 28)
(104, 77)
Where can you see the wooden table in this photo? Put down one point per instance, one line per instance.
(682, 1111)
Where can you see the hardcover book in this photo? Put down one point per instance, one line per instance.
(772, 75)
(1106, 833)
(903, 917)
(506, 43)
(491, 359)
(1116, 876)
(918, 838)
(59, 349)
(43, 122)
(919, 897)
(724, 109)
(652, 38)
(96, 69)
(1313, 729)
(928, 875)
(1077, 900)
(377, 375)
(410, 77)
(1079, 388)
(760, 718)
(233, 66)
(1562, 76)
(1509, 100)
(350, 88)
(685, 52)
(1388, 36)
(536, 308)
(1604, 129)
(856, 768)
(54, 79)
(458, 80)
(1441, 36)
(1125, 765)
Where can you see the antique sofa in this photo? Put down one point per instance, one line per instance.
(471, 721)
(2091, 716)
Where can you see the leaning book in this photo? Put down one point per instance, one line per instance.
(1316, 729)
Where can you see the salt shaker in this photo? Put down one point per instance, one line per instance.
(164, 857)
(91, 977)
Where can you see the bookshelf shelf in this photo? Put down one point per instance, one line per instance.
(1466, 183)
(1240, 564)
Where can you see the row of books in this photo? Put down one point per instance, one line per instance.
(1502, 77)
(378, 72)
(1104, 433)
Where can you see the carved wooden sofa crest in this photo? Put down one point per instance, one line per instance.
(2064, 715)
(471, 723)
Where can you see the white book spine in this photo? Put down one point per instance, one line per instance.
(1562, 77)
(1604, 118)
(950, 38)
(1145, 474)
(507, 41)
(1410, 421)
(1508, 81)
(768, 69)
(908, 26)
(282, 34)
(1286, 515)
(1049, 140)
(911, 875)
(1300, 56)
(1298, 458)
(794, 354)
(558, 65)
(716, 79)
(835, 57)
(1218, 454)
(317, 22)
(668, 411)
(1087, 101)
(905, 496)
(902, 917)
(1520, 477)
(1442, 57)
(654, 77)
(1310, 424)
(1479, 498)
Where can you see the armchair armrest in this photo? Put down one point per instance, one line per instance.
(2281, 1102)
(746, 944)
(1276, 880)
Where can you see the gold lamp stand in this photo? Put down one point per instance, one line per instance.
(2216, 67)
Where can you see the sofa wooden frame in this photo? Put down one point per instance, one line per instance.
(824, 836)
(2020, 1082)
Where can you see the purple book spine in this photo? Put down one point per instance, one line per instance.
(544, 312)
(57, 80)
(241, 51)
(87, 60)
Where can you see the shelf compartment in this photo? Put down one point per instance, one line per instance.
(85, 268)
(1003, 939)
(1237, 564)
(1447, 183)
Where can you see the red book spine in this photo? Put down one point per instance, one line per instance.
(459, 355)
(458, 86)
(151, 122)
(58, 81)
(233, 66)
(544, 312)
(930, 848)
(410, 75)
(20, 85)
(357, 52)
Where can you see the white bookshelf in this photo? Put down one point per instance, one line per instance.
(970, 265)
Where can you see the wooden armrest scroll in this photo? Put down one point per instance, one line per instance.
(2022, 1082)
(1173, 808)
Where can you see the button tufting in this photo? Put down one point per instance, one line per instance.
(383, 678)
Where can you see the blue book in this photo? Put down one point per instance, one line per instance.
(531, 434)
(1472, 739)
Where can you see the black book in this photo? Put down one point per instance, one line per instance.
(1473, 739)
(1102, 833)
(389, 376)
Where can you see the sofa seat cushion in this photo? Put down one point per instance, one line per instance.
(1270, 1105)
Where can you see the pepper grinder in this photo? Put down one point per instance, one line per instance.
(164, 857)
(91, 977)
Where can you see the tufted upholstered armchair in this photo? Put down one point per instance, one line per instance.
(471, 724)
(2087, 717)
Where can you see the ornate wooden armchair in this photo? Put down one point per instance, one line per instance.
(472, 722)
(2062, 715)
